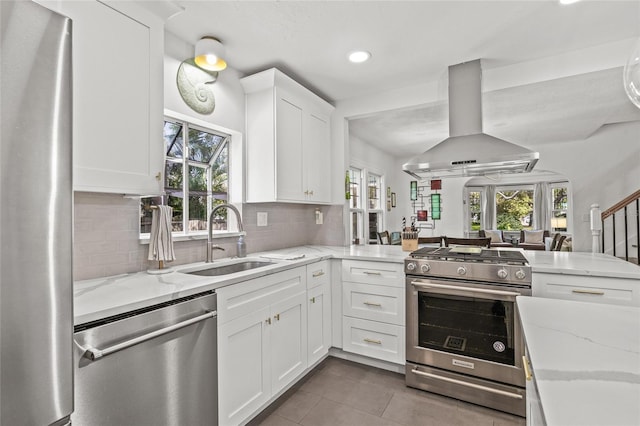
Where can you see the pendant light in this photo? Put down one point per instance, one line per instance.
(210, 54)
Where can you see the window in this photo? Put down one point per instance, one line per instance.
(374, 206)
(474, 204)
(355, 205)
(514, 208)
(559, 207)
(196, 177)
(365, 201)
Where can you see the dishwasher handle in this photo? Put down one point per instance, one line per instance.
(95, 353)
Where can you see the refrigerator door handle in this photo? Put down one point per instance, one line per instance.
(94, 353)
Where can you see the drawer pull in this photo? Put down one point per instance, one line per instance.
(376, 342)
(372, 273)
(318, 274)
(372, 304)
(525, 366)
(593, 292)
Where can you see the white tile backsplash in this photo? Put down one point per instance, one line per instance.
(106, 239)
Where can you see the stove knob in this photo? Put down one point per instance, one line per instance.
(425, 268)
(411, 266)
(462, 270)
(502, 273)
(520, 274)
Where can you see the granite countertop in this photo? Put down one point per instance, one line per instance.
(581, 263)
(99, 298)
(585, 359)
(102, 297)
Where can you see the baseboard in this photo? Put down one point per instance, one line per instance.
(372, 362)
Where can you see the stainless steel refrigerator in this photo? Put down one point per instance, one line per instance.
(36, 206)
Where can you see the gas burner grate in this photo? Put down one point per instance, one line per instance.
(456, 343)
(507, 257)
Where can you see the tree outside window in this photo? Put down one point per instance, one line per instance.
(475, 210)
(514, 209)
(196, 177)
(559, 207)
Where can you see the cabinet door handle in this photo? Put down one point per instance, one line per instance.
(372, 304)
(158, 176)
(376, 342)
(276, 317)
(318, 274)
(525, 366)
(593, 292)
(312, 300)
(268, 321)
(372, 273)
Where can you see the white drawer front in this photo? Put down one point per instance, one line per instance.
(318, 273)
(374, 339)
(240, 299)
(383, 273)
(587, 289)
(374, 302)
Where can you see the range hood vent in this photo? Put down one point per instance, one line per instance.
(468, 151)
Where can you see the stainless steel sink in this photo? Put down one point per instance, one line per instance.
(216, 270)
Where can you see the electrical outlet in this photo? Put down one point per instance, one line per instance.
(262, 219)
(318, 217)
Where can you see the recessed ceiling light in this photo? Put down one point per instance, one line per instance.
(359, 56)
(569, 1)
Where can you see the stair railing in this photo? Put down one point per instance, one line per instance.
(630, 208)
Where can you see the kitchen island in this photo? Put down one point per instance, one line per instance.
(585, 360)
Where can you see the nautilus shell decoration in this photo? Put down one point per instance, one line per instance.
(195, 87)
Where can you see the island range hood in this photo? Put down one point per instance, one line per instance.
(468, 151)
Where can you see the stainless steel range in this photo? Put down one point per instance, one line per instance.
(464, 337)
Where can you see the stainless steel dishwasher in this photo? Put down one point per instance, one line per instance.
(154, 366)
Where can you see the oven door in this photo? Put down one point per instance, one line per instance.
(466, 327)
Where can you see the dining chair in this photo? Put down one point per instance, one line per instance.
(383, 237)
(556, 243)
(430, 240)
(480, 242)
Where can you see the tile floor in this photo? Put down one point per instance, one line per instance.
(344, 393)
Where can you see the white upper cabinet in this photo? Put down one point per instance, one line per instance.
(117, 96)
(288, 141)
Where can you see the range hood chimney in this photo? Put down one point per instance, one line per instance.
(468, 151)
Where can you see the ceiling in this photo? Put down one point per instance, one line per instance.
(413, 42)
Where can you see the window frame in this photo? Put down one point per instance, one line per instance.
(235, 179)
(569, 209)
(358, 211)
(516, 186)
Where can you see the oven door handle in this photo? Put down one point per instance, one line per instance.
(463, 383)
(469, 289)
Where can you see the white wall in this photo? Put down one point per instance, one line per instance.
(229, 95)
(603, 169)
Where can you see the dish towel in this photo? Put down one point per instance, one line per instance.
(160, 239)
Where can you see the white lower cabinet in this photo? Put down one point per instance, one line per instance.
(535, 415)
(374, 339)
(288, 333)
(318, 311)
(270, 331)
(244, 373)
(373, 309)
(582, 288)
(262, 341)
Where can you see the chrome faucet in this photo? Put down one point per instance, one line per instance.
(241, 248)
